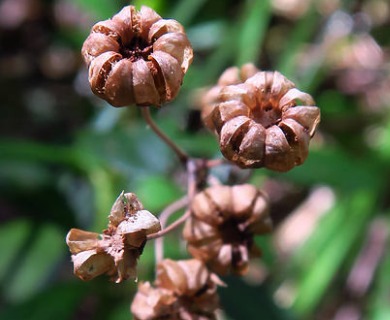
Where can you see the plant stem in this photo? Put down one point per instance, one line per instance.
(171, 227)
(163, 217)
(183, 157)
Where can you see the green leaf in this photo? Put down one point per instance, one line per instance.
(379, 306)
(334, 167)
(255, 19)
(356, 211)
(57, 302)
(186, 10)
(12, 238)
(41, 255)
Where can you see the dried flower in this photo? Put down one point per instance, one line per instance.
(223, 223)
(230, 76)
(115, 252)
(263, 121)
(183, 290)
(137, 58)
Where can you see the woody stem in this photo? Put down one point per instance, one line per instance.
(183, 157)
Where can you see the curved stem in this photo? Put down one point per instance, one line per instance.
(171, 227)
(163, 217)
(148, 118)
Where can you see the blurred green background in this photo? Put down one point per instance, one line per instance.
(65, 156)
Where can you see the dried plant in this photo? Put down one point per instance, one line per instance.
(137, 58)
(224, 221)
(115, 252)
(183, 290)
(261, 120)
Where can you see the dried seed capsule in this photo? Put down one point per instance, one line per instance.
(262, 121)
(115, 252)
(137, 58)
(230, 76)
(224, 222)
(183, 290)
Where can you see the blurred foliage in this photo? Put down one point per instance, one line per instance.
(65, 155)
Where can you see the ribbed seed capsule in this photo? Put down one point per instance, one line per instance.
(183, 289)
(261, 121)
(137, 58)
(224, 221)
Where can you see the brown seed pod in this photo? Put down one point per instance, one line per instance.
(183, 290)
(230, 76)
(263, 121)
(115, 252)
(137, 58)
(224, 221)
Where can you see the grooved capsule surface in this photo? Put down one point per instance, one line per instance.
(260, 118)
(136, 57)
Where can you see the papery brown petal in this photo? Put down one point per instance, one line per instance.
(195, 230)
(221, 265)
(145, 91)
(126, 264)
(231, 136)
(80, 240)
(124, 19)
(196, 275)
(278, 155)
(308, 117)
(226, 111)
(205, 250)
(248, 70)
(259, 222)
(170, 71)
(201, 207)
(150, 303)
(96, 44)
(119, 85)
(99, 71)
(229, 76)
(147, 17)
(162, 27)
(295, 97)
(298, 139)
(171, 276)
(280, 84)
(221, 199)
(252, 147)
(125, 205)
(137, 226)
(240, 93)
(240, 261)
(243, 199)
(89, 264)
(176, 45)
(111, 28)
(124, 16)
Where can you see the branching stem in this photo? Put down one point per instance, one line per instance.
(164, 216)
(183, 157)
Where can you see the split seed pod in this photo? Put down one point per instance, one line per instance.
(115, 252)
(222, 226)
(263, 121)
(137, 58)
(183, 290)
